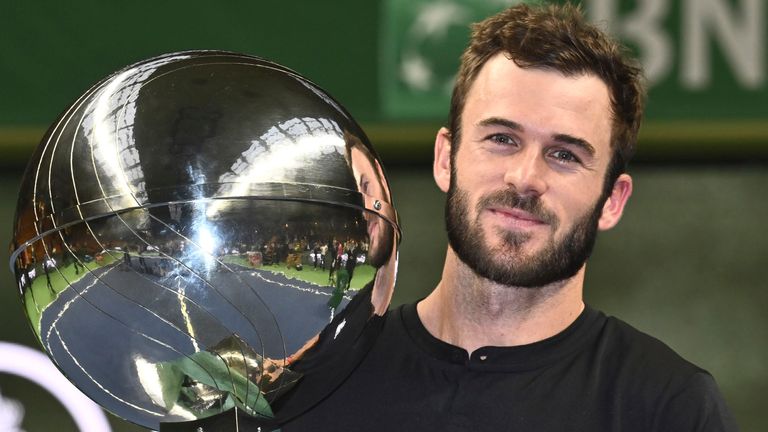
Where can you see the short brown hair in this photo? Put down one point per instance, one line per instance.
(558, 37)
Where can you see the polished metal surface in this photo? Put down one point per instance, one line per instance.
(188, 227)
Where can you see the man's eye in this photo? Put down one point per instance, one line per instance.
(501, 139)
(565, 156)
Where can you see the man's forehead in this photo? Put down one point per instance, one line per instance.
(576, 105)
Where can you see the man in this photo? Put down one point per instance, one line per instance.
(544, 118)
(382, 238)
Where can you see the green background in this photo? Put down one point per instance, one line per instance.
(51, 52)
(686, 264)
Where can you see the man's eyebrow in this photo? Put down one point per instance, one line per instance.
(562, 138)
(498, 121)
(572, 140)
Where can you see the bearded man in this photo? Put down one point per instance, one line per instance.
(544, 118)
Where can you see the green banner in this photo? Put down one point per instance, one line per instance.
(705, 60)
(422, 41)
(391, 63)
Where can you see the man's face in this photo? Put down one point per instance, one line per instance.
(525, 185)
(380, 232)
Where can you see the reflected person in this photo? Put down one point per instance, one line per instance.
(372, 184)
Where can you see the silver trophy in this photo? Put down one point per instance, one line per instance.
(205, 233)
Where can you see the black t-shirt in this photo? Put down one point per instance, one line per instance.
(599, 374)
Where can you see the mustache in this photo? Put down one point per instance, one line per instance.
(513, 200)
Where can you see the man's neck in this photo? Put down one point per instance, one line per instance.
(469, 311)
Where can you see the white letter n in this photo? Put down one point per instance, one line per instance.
(740, 38)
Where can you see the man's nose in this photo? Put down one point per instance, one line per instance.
(526, 172)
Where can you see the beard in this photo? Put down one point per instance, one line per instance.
(382, 246)
(507, 264)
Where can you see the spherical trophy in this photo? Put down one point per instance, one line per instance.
(205, 234)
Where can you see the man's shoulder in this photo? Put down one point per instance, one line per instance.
(631, 351)
(652, 381)
(396, 327)
(643, 366)
(628, 343)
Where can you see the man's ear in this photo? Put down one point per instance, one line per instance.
(614, 205)
(441, 167)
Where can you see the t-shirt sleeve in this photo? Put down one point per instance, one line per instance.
(699, 407)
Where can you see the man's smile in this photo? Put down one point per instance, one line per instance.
(514, 218)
